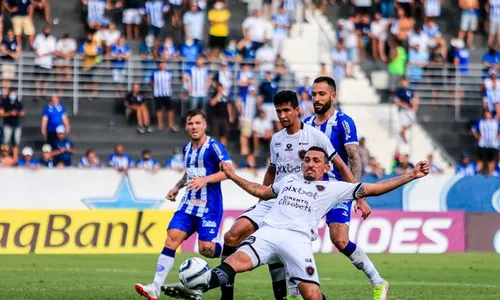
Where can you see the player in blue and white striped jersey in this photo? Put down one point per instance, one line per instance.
(341, 130)
(200, 209)
(147, 162)
(153, 11)
(198, 81)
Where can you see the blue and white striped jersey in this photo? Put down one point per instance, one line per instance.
(202, 162)
(489, 130)
(283, 21)
(147, 164)
(290, 4)
(495, 10)
(95, 9)
(162, 83)
(154, 10)
(198, 78)
(341, 130)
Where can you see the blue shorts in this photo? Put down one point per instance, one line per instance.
(340, 213)
(206, 226)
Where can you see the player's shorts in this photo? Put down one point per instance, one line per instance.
(340, 213)
(257, 212)
(468, 22)
(131, 16)
(486, 154)
(294, 249)
(206, 226)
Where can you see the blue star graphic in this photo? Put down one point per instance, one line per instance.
(123, 198)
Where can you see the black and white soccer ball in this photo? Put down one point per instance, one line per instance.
(194, 273)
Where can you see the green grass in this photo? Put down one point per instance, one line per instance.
(447, 276)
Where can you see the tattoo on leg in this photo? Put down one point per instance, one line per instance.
(207, 252)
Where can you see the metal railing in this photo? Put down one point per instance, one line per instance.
(105, 80)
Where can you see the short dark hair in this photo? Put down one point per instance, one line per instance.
(329, 80)
(316, 148)
(146, 151)
(195, 112)
(286, 97)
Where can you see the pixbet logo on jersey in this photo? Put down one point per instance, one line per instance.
(287, 169)
(300, 191)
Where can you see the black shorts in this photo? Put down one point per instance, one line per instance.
(363, 10)
(219, 127)
(42, 74)
(487, 154)
(163, 102)
(217, 42)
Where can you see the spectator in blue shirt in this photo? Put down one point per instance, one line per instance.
(149, 52)
(28, 161)
(460, 55)
(147, 162)
(231, 53)
(189, 52)
(119, 160)
(305, 87)
(491, 59)
(246, 50)
(120, 53)
(47, 160)
(53, 116)
(90, 160)
(63, 149)
(176, 162)
(465, 167)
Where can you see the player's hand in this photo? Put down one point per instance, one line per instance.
(196, 184)
(172, 194)
(363, 207)
(227, 168)
(421, 169)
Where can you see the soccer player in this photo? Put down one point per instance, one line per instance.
(200, 209)
(341, 130)
(285, 234)
(288, 147)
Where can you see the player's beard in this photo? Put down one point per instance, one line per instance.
(323, 109)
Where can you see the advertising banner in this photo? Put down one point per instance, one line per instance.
(483, 232)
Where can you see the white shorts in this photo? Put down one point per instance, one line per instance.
(468, 22)
(294, 249)
(270, 111)
(406, 117)
(257, 212)
(131, 16)
(494, 27)
(432, 10)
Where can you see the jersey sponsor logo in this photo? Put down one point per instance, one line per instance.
(347, 130)
(320, 187)
(309, 260)
(341, 205)
(288, 147)
(302, 154)
(300, 191)
(296, 203)
(303, 144)
(206, 223)
(249, 240)
(277, 144)
(288, 169)
(310, 271)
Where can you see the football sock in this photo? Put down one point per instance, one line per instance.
(218, 249)
(361, 261)
(278, 275)
(163, 266)
(227, 290)
(222, 275)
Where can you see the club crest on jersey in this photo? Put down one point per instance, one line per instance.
(302, 154)
(320, 187)
(310, 270)
(288, 147)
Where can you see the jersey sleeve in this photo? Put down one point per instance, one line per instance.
(340, 191)
(349, 131)
(220, 153)
(273, 158)
(277, 186)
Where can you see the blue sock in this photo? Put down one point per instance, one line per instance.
(349, 249)
(168, 252)
(218, 250)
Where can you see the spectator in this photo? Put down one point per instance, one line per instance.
(265, 57)
(42, 6)
(397, 64)
(267, 89)
(10, 51)
(168, 51)
(281, 25)
(218, 31)
(418, 37)
(225, 77)
(490, 60)
(96, 10)
(490, 90)
(12, 111)
(433, 33)
(54, 115)
(28, 161)
(44, 48)
(262, 129)
(202, 4)
(434, 168)
(131, 17)
(194, 23)
(469, 19)
(6, 160)
(220, 113)
(417, 62)
(407, 105)
(147, 162)
(460, 55)
(432, 8)
(323, 70)
(120, 53)
(364, 155)
(404, 6)
(362, 29)
(487, 131)
(90, 160)
(119, 160)
(91, 52)
(198, 83)
(254, 29)
(21, 12)
(402, 26)
(65, 51)
(404, 166)
(246, 78)
(465, 167)
(189, 52)
(63, 149)
(306, 86)
(135, 102)
(176, 162)
(108, 36)
(493, 9)
(348, 35)
(339, 62)
(47, 160)
(378, 37)
(153, 11)
(161, 83)
(176, 12)
(149, 52)
(246, 108)
(305, 104)
(246, 50)
(374, 168)
(290, 9)
(231, 53)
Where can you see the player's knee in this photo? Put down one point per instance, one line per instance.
(339, 236)
(311, 294)
(232, 238)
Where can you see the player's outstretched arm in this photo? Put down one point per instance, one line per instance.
(385, 186)
(344, 171)
(258, 190)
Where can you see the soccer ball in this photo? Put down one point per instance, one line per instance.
(194, 273)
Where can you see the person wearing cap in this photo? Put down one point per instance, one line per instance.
(12, 110)
(246, 108)
(47, 160)
(90, 160)
(147, 162)
(465, 167)
(63, 148)
(5, 159)
(407, 104)
(53, 116)
(490, 90)
(28, 161)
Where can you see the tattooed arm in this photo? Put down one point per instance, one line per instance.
(354, 160)
(175, 190)
(258, 190)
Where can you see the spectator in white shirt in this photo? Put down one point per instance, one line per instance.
(194, 23)
(265, 57)
(108, 37)
(378, 36)
(262, 128)
(65, 50)
(348, 33)
(254, 29)
(418, 36)
(44, 48)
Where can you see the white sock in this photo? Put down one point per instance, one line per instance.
(163, 266)
(361, 261)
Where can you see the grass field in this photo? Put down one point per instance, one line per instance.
(447, 276)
